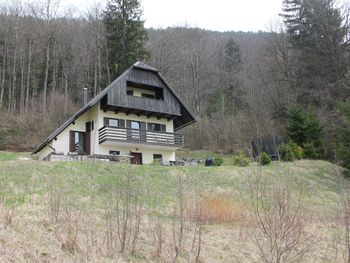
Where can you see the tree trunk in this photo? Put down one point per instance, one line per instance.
(12, 88)
(22, 87)
(28, 75)
(46, 77)
(54, 71)
(107, 63)
(2, 87)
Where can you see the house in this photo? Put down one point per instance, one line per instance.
(137, 115)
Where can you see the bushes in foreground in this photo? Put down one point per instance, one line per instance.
(218, 161)
(240, 160)
(264, 159)
(290, 151)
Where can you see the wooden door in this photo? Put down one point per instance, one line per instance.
(137, 158)
(87, 137)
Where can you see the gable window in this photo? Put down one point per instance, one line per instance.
(149, 96)
(156, 127)
(77, 142)
(111, 122)
(144, 91)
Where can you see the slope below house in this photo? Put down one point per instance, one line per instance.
(137, 115)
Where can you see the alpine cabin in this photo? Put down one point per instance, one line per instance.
(136, 116)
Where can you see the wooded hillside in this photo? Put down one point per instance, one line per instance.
(239, 85)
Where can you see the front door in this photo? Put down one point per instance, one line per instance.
(137, 158)
(87, 137)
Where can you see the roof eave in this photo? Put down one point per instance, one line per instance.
(185, 125)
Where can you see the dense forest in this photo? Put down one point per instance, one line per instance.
(240, 85)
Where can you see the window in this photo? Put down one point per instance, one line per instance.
(77, 142)
(156, 127)
(112, 122)
(114, 153)
(135, 125)
(149, 96)
(145, 91)
(157, 157)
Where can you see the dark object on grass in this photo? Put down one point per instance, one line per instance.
(209, 161)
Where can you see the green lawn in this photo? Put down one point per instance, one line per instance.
(319, 180)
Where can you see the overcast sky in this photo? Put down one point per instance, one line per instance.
(221, 15)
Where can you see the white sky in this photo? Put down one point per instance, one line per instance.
(221, 15)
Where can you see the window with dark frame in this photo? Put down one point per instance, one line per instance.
(147, 91)
(135, 125)
(157, 156)
(149, 96)
(156, 127)
(114, 153)
(112, 122)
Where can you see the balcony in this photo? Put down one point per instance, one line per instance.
(109, 134)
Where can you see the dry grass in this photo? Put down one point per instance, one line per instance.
(215, 209)
(73, 212)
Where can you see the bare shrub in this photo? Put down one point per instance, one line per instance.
(280, 220)
(344, 218)
(158, 236)
(68, 237)
(9, 214)
(57, 196)
(215, 209)
(186, 236)
(123, 214)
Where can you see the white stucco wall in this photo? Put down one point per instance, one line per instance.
(61, 143)
(44, 152)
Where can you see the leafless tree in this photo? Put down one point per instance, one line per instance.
(282, 225)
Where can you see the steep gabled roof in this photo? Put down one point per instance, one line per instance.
(141, 65)
(97, 98)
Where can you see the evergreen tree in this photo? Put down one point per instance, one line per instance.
(318, 31)
(234, 94)
(306, 131)
(343, 137)
(296, 125)
(125, 34)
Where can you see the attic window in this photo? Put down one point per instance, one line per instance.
(144, 91)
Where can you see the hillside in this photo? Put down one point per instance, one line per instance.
(102, 212)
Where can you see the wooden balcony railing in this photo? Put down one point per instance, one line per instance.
(116, 134)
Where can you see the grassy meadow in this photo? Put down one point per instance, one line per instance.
(107, 212)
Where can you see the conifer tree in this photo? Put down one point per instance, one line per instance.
(318, 34)
(125, 34)
(343, 137)
(306, 131)
(233, 92)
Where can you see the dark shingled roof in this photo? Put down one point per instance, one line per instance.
(98, 97)
(141, 65)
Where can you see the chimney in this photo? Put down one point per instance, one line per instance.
(85, 95)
